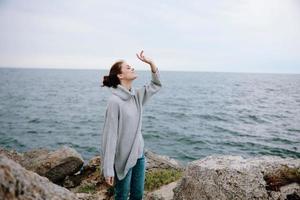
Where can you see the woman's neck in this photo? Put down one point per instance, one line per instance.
(127, 84)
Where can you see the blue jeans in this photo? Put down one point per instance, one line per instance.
(133, 183)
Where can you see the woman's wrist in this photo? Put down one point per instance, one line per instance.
(153, 67)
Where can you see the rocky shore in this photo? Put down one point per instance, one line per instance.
(62, 174)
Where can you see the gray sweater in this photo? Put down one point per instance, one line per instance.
(122, 140)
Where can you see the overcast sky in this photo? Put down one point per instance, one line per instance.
(200, 35)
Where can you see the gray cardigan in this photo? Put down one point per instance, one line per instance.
(122, 140)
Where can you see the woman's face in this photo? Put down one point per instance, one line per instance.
(128, 72)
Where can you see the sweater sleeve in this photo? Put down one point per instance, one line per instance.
(150, 89)
(109, 138)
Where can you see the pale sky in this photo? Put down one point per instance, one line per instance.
(196, 35)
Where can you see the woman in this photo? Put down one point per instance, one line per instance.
(122, 141)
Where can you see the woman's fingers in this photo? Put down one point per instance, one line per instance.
(138, 56)
(110, 180)
(107, 180)
(141, 56)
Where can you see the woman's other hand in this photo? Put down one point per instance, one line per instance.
(109, 180)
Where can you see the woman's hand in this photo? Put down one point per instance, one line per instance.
(143, 58)
(147, 60)
(109, 180)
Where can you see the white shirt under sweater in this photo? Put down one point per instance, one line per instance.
(122, 140)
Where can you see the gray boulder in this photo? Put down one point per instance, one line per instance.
(12, 154)
(234, 177)
(155, 161)
(90, 172)
(163, 193)
(55, 165)
(18, 183)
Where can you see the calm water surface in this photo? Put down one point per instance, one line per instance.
(196, 114)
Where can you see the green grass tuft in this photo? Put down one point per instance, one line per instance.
(87, 189)
(160, 177)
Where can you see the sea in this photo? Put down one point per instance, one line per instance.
(194, 115)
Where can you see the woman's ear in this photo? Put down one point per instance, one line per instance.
(120, 76)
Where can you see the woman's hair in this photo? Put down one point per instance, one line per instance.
(112, 79)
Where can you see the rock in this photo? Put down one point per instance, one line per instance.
(17, 183)
(281, 177)
(72, 181)
(163, 193)
(91, 182)
(233, 177)
(88, 183)
(91, 172)
(289, 192)
(12, 154)
(87, 196)
(91, 177)
(55, 165)
(29, 156)
(155, 161)
(98, 196)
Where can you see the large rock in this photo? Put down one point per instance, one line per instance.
(233, 177)
(90, 173)
(89, 184)
(12, 154)
(155, 161)
(17, 183)
(163, 193)
(55, 165)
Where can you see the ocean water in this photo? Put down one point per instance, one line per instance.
(196, 114)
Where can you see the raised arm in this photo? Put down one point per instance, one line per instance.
(154, 86)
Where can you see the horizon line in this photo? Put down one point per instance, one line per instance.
(163, 70)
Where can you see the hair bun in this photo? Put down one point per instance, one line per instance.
(106, 81)
(111, 81)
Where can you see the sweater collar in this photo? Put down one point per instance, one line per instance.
(123, 92)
